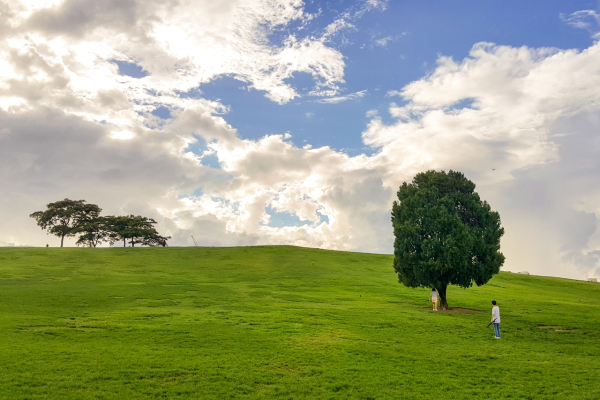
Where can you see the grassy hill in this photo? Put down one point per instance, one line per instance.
(284, 323)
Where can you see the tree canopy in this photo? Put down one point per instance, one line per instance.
(93, 232)
(63, 217)
(444, 233)
(136, 229)
(68, 218)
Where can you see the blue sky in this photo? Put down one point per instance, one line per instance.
(419, 32)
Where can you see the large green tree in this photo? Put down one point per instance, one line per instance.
(61, 218)
(444, 234)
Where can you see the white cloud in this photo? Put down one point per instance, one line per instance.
(73, 127)
(383, 42)
(181, 47)
(584, 19)
(346, 19)
(122, 135)
(339, 99)
(493, 115)
(369, 5)
(337, 26)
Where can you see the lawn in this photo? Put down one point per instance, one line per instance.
(281, 322)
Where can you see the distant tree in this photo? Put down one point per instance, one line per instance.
(444, 234)
(93, 232)
(121, 228)
(135, 229)
(154, 240)
(62, 217)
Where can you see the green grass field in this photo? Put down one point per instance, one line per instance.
(284, 323)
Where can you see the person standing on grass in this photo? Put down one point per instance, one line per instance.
(433, 297)
(496, 319)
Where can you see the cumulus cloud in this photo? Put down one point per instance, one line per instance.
(491, 115)
(71, 125)
(494, 116)
(52, 53)
(74, 126)
(339, 99)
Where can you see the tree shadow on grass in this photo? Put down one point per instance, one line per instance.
(456, 310)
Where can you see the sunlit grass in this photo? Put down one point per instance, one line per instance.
(281, 322)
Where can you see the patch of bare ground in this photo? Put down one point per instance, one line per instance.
(457, 310)
(556, 328)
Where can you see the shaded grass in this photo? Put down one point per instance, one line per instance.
(280, 322)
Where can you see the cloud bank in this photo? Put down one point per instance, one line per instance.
(520, 122)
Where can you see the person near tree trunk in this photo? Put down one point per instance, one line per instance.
(434, 298)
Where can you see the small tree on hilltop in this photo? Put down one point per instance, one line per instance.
(93, 232)
(62, 217)
(135, 229)
(154, 240)
(444, 234)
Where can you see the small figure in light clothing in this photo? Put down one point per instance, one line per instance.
(496, 319)
(434, 297)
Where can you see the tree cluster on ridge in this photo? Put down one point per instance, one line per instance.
(68, 218)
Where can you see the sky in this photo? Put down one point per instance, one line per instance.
(250, 122)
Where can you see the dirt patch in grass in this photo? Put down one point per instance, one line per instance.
(557, 328)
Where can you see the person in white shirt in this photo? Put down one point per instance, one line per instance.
(434, 297)
(496, 319)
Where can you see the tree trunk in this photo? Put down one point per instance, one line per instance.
(62, 239)
(442, 293)
(124, 242)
